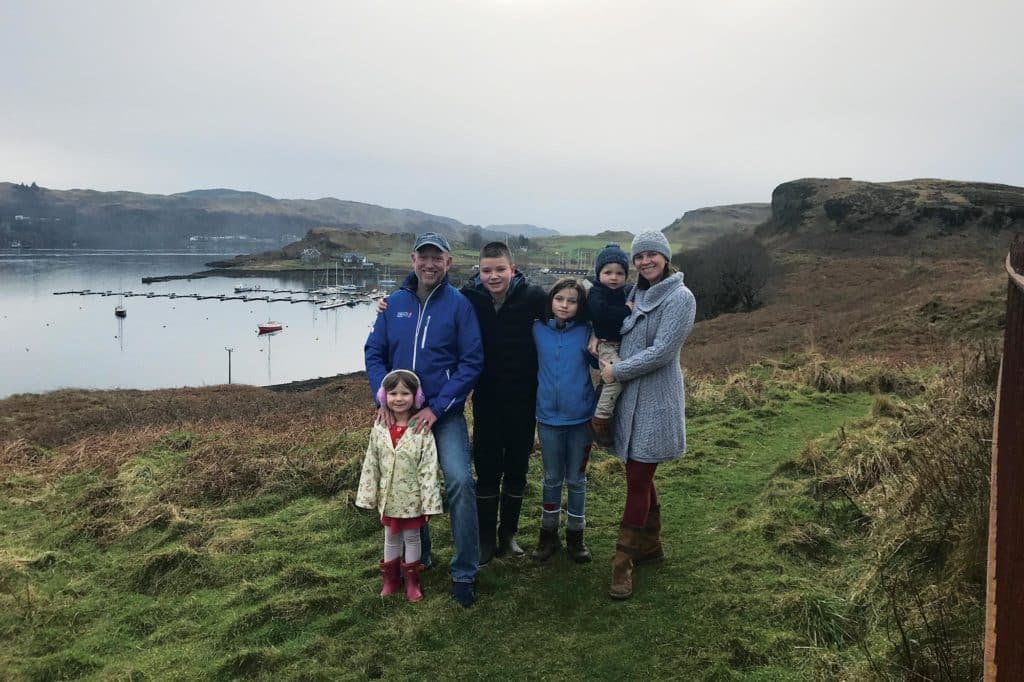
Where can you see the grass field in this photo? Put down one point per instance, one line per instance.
(167, 556)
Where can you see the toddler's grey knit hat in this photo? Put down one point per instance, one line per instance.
(611, 253)
(651, 241)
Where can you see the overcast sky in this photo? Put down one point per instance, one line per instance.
(576, 115)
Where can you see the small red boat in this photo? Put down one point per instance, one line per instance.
(269, 327)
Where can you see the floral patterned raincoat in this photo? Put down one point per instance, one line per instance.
(400, 481)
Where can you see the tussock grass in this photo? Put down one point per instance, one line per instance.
(917, 472)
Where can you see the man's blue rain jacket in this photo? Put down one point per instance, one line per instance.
(439, 340)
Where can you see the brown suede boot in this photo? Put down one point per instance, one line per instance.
(622, 562)
(602, 429)
(649, 550)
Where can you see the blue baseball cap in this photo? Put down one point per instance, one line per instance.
(432, 239)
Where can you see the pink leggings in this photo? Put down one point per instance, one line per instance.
(641, 496)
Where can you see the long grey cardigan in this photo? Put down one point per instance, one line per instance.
(650, 421)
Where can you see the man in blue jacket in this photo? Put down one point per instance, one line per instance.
(431, 329)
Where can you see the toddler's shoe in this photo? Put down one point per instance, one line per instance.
(602, 429)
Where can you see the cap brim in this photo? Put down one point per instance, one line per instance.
(442, 247)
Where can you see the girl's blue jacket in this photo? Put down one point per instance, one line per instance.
(565, 393)
(439, 341)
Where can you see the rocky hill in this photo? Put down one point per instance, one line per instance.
(702, 225)
(40, 217)
(925, 208)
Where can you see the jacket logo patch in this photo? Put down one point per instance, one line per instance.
(404, 313)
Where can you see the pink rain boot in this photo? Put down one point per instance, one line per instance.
(389, 571)
(411, 571)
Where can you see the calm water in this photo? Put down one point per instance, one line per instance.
(52, 342)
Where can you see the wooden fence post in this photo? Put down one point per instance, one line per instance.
(1004, 616)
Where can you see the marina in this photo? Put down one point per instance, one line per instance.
(298, 296)
(174, 332)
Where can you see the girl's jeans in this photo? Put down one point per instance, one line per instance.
(565, 451)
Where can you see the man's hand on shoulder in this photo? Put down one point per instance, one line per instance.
(424, 419)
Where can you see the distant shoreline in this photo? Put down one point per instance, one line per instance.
(302, 385)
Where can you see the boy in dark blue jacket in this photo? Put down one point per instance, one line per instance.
(608, 305)
(431, 329)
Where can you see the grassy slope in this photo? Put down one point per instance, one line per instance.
(284, 583)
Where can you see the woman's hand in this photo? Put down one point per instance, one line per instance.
(382, 305)
(592, 345)
(607, 373)
(629, 304)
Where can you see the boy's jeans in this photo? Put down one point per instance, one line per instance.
(452, 440)
(609, 352)
(564, 452)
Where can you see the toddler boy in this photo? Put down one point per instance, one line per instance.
(608, 306)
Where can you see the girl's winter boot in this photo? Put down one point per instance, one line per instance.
(578, 551)
(411, 572)
(547, 545)
(389, 572)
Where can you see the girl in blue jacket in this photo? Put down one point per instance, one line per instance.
(565, 403)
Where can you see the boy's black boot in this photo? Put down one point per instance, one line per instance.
(511, 505)
(578, 551)
(487, 515)
(547, 545)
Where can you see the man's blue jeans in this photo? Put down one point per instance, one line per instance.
(452, 438)
(564, 452)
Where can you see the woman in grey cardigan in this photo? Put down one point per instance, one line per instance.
(650, 421)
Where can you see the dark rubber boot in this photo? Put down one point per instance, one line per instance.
(578, 551)
(487, 515)
(508, 547)
(511, 505)
(547, 545)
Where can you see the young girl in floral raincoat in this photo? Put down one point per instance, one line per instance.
(399, 479)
